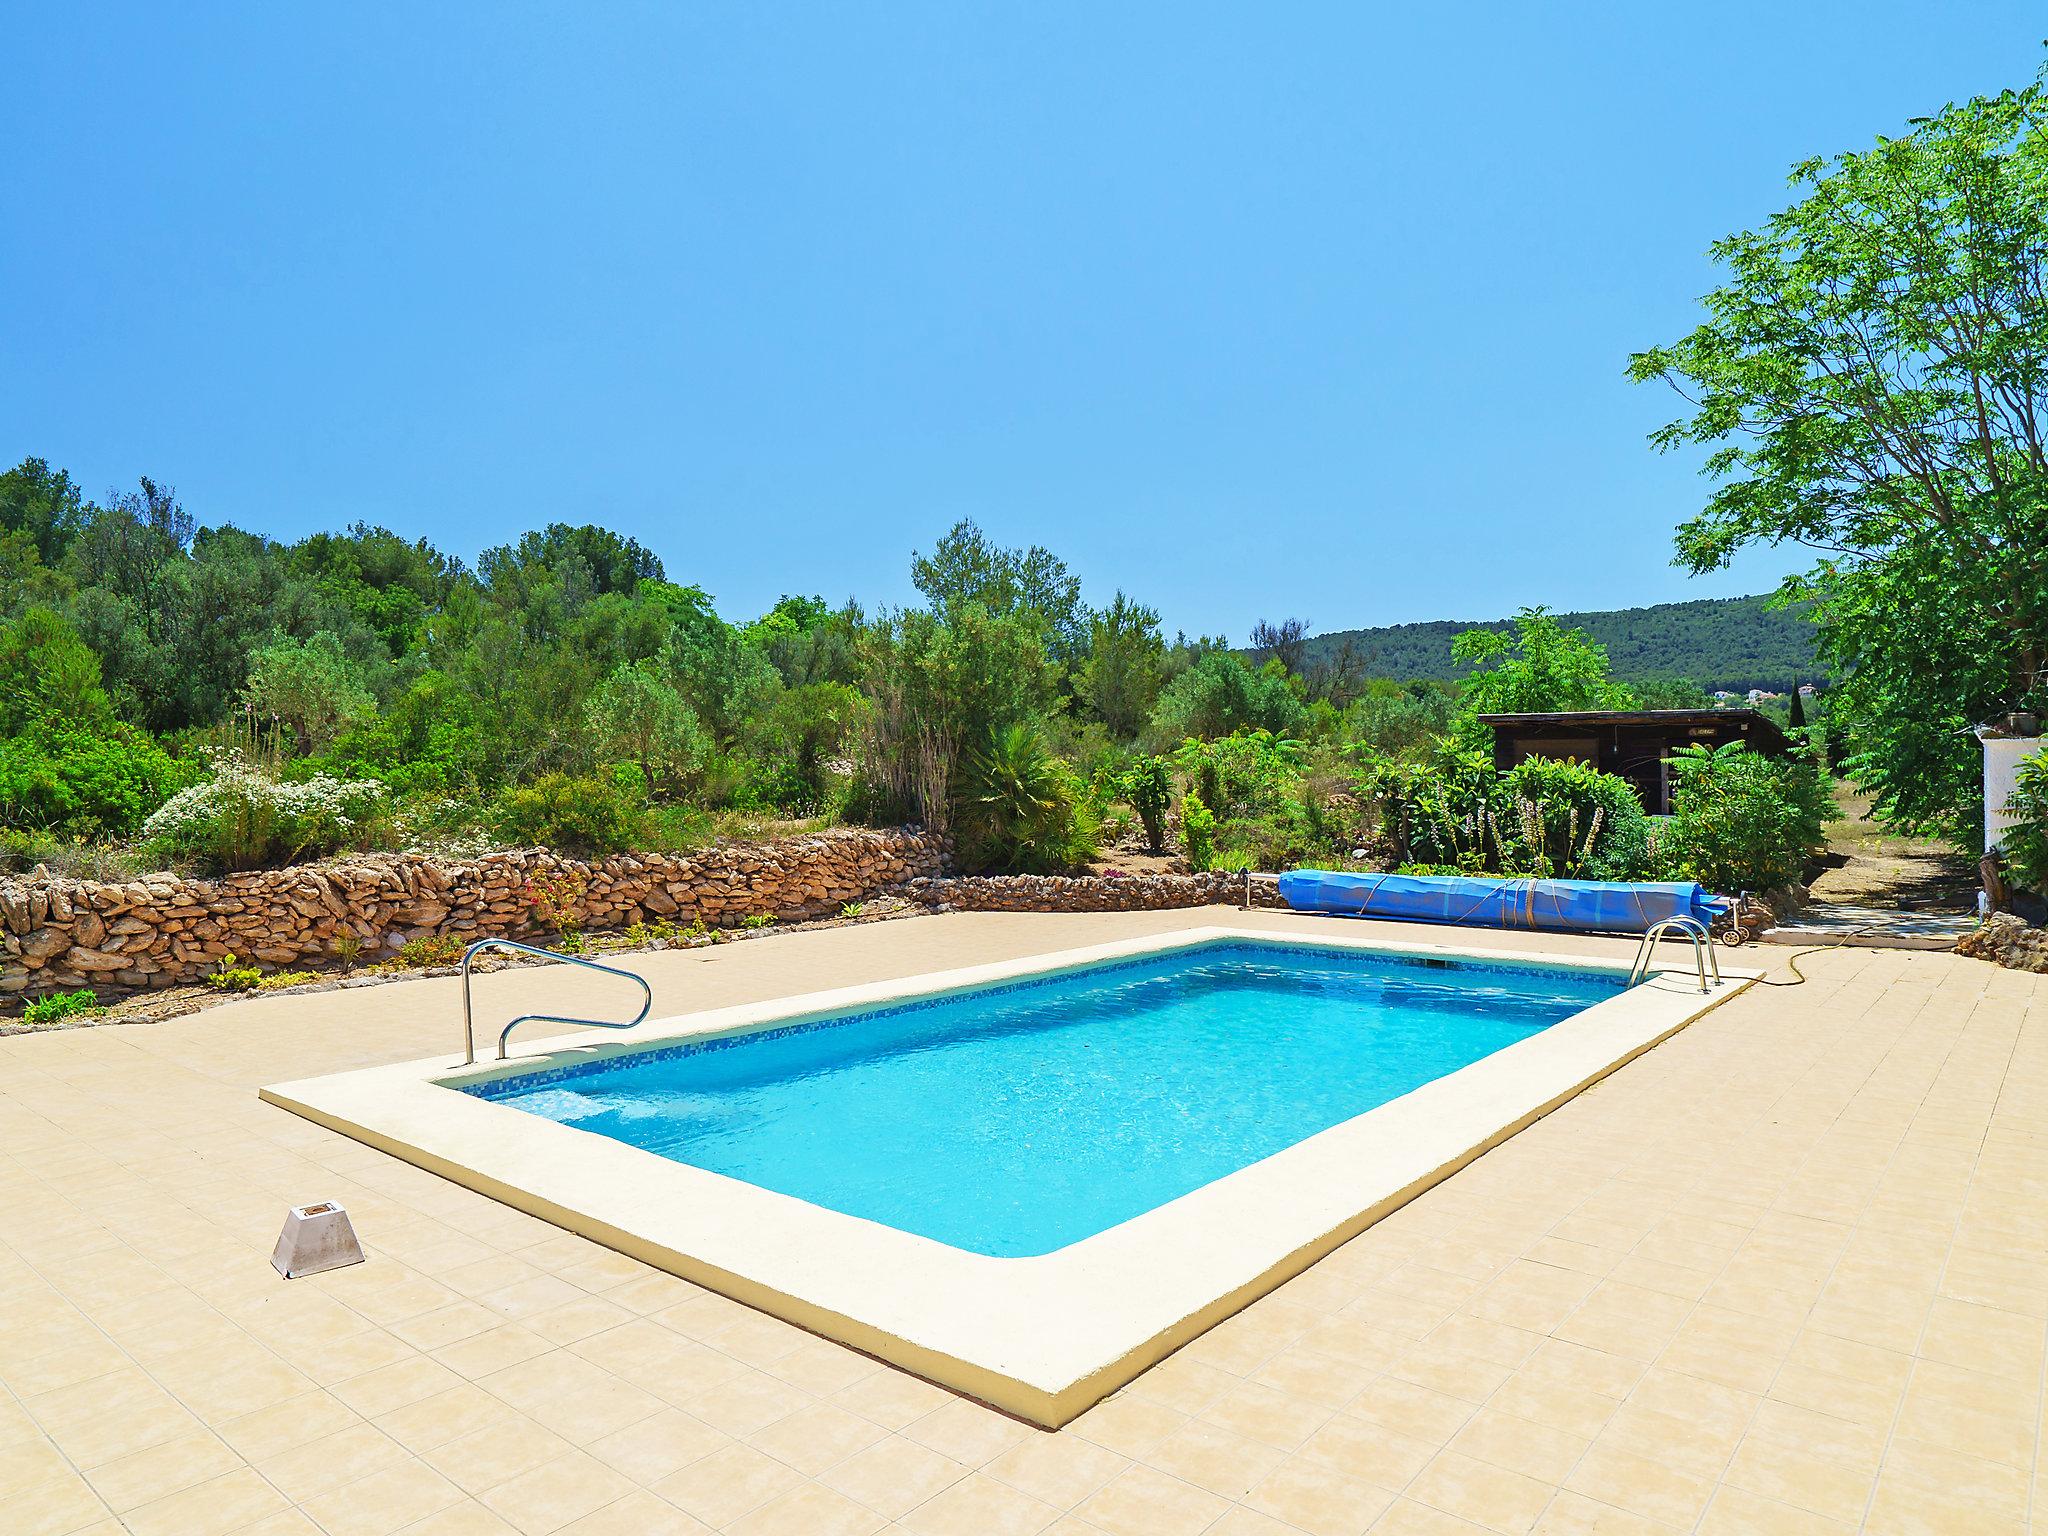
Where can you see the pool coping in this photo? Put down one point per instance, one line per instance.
(1044, 1337)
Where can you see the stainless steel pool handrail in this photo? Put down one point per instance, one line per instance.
(468, 1016)
(1703, 955)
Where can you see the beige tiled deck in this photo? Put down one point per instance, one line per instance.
(1788, 1272)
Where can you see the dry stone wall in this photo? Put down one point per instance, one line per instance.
(1094, 893)
(2008, 941)
(167, 929)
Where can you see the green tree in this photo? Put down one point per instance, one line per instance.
(48, 673)
(1540, 667)
(637, 716)
(43, 506)
(1220, 694)
(1120, 679)
(1670, 693)
(1872, 377)
(965, 569)
(311, 686)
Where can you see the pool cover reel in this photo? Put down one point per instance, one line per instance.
(1499, 901)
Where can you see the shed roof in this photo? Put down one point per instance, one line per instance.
(1749, 722)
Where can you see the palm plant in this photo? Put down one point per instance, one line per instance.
(1024, 811)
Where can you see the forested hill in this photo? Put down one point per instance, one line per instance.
(1732, 642)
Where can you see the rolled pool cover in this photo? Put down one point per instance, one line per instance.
(1499, 901)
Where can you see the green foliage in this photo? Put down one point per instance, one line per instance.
(430, 950)
(966, 571)
(243, 817)
(1121, 678)
(1555, 820)
(585, 814)
(1149, 787)
(1672, 693)
(636, 715)
(83, 783)
(757, 920)
(1251, 774)
(1396, 719)
(1733, 643)
(48, 674)
(228, 976)
(1572, 822)
(1742, 821)
(42, 508)
(1197, 832)
(1025, 810)
(1871, 377)
(312, 686)
(55, 1007)
(1542, 666)
(2025, 843)
(1218, 695)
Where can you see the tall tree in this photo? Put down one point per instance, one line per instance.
(1541, 666)
(1121, 678)
(1870, 377)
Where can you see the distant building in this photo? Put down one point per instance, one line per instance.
(1723, 696)
(1756, 696)
(1807, 690)
(1632, 743)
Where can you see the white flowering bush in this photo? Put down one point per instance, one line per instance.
(242, 817)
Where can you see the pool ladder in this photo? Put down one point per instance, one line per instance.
(468, 1018)
(1703, 956)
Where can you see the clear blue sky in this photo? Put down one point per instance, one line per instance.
(1251, 311)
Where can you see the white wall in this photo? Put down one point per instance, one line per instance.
(2002, 758)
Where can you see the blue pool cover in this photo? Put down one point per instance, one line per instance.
(1498, 901)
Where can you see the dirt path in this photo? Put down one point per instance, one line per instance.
(1872, 867)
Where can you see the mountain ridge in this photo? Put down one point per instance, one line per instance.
(1733, 643)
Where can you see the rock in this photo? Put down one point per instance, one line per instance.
(2009, 941)
(94, 960)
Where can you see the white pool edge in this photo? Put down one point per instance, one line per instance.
(1044, 1337)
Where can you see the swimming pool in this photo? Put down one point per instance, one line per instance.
(1015, 1120)
(1028, 1179)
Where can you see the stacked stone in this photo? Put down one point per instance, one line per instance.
(2008, 941)
(1094, 893)
(164, 929)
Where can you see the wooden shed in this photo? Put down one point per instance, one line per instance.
(1630, 742)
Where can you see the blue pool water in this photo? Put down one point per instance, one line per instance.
(1017, 1119)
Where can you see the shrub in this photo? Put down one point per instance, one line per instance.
(1024, 810)
(431, 949)
(1445, 812)
(244, 818)
(1543, 817)
(776, 786)
(557, 901)
(580, 814)
(227, 976)
(1220, 694)
(2026, 841)
(1198, 832)
(85, 781)
(1741, 821)
(757, 920)
(1253, 773)
(1573, 822)
(1149, 788)
(56, 1007)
